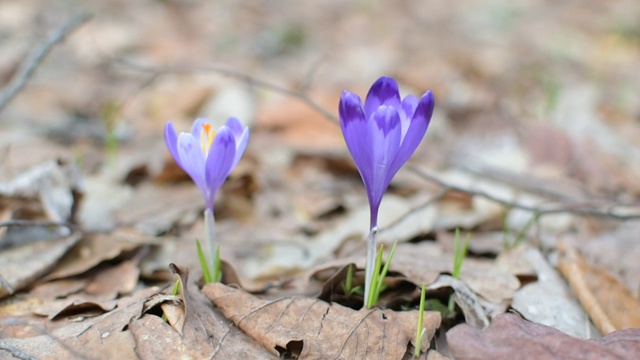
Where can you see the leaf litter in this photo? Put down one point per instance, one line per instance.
(88, 228)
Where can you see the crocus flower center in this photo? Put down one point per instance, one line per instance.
(206, 138)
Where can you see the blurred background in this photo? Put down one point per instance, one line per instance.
(538, 94)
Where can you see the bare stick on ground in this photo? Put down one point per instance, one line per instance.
(35, 57)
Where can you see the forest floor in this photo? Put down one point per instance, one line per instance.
(532, 151)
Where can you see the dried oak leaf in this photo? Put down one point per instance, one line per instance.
(511, 337)
(313, 329)
(201, 333)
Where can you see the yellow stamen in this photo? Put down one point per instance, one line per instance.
(206, 138)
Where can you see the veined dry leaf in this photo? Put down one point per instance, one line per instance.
(101, 337)
(311, 328)
(202, 334)
(606, 300)
(510, 337)
(23, 265)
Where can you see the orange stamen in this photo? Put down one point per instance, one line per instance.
(206, 138)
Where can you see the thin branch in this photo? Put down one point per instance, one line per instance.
(432, 200)
(248, 79)
(35, 57)
(15, 352)
(575, 208)
(28, 223)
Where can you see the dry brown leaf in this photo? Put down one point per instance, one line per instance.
(96, 248)
(120, 279)
(422, 264)
(80, 309)
(23, 265)
(310, 328)
(618, 252)
(101, 337)
(202, 334)
(511, 337)
(300, 125)
(606, 300)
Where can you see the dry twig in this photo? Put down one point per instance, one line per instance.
(35, 57)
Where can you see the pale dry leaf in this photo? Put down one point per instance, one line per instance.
(511, 337)
(53, 183)
(618, 252)
(310, 328)
(96, 248)
(548, 301)
(606, 300)
(474, 313)
(23, 265)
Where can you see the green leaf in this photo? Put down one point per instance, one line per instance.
(203, 263)
(420, 329)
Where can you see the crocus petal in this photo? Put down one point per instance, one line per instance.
(384, 132)
(196, 128)
(192, 160)
(354, 129)
(171, 139)
(415, 132)
(235, 126)
(219, 162)
(241, 145)
(383, 92)
(406, 111)
(241, 135)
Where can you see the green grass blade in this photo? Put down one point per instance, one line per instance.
(420, 329)
(370, 302)
(383, 274)
(203, 263)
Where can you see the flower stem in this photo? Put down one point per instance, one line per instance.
(210, 234)
(370, 264)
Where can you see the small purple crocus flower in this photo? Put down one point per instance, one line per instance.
(208, 156)
(381, 136)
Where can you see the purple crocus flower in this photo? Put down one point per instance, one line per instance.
(383, 133)
(207, 155)
(381, 136)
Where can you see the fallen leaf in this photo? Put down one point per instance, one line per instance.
(311, 328)
(511, 337)
(606, 300)
(23, 265)
(201, 334)
(549, 301)
(96, 248)
(102, 337)
(472, 308)
(617, 251)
